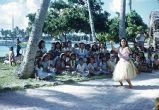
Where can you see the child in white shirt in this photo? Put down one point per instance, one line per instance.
(82, 68)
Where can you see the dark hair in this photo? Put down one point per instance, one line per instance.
(72, 54)
(76, 45)
(11, 48)
(44, 56)
(69, 42)
(39, 45)
(57, 44)
(125, 41)
(156, 56)
(80, 59)
(38, 60)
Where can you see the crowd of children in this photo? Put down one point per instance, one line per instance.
(88, 59)
(83, 59)
(145, 60)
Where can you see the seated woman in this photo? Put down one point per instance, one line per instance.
(41, 47)
(41, 72)
(57, 50)
(82, 68)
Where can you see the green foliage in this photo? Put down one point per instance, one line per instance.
(31, 17)
(134, 24)
(10, 82)
(59, 4)
(16, 32)
(114, 29)
(101, 22)
(70, 78)
(103, 37)
(73, 16)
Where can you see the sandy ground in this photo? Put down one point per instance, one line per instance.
(91, 95)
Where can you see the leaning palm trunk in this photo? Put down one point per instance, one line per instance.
(122, 32)
(27, 67)
(91, 22)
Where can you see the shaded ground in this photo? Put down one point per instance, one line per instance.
(91, 95)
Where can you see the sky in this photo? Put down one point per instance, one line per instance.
(20, 8)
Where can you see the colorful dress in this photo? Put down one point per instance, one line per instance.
(124, 69)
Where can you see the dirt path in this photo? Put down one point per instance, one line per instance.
(90, 95)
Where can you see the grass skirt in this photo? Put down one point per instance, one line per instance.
(124, 70)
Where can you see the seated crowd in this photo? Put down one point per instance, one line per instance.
(145, 60)
(82, 59)
(85, 59)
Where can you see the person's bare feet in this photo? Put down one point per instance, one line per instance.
(130, 86)
(121, 84)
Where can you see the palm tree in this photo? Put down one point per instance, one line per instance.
(122, 31)
(27, 67)
(91, 22)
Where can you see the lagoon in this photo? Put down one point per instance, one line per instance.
(5, 49)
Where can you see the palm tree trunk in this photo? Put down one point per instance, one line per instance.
(122, 32)
(130, 4)
(27, 67)
(91, 22)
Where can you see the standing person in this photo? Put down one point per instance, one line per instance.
(11, 56)
(125, 69)
(140, 39)
(18, 47)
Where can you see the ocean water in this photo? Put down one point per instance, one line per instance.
(5, 49)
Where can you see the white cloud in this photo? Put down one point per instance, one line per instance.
(114, 6)
(18, 8)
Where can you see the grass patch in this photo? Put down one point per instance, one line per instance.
(10, 82)
(69, 78)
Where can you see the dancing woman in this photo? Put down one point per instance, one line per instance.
(124, 69)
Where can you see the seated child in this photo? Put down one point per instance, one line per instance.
(149, 62)
(93, 67)
(40, 71)
(156, 61)
(104, 66)
(82, 68)
(60, 64)
(72, 62)
(142, 63)
(137, 60)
